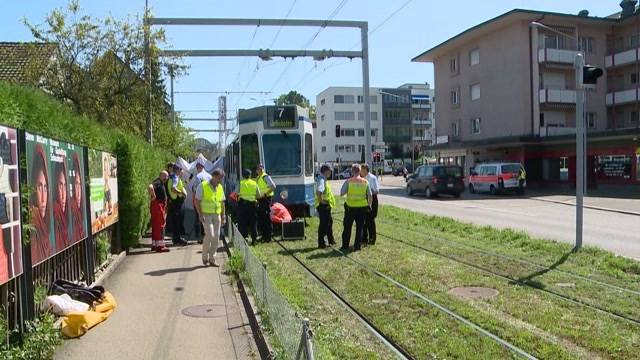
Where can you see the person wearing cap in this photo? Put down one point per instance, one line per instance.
(357, 205)
(369, 233)
(249, 193)
(324, 201)
(158, 194)
(177, 195)
(210, 205)
(267, 187)
(194, 224)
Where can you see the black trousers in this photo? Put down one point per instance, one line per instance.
(369, 235)
(175, 218)
(325, 228)
(247, 212)
(264, 218)
(351, 215)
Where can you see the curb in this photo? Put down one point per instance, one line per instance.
(626, 212)
(110, 269)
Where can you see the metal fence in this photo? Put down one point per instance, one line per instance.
(292, 332)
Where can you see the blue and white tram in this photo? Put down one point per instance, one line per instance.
(281, 138)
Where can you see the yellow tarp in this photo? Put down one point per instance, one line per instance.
(77, 323)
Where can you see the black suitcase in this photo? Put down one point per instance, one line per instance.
(293, 230)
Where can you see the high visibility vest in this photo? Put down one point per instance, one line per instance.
(522, 175)
(210, 202)
(248, 189)
(327, 194)
(180, 187)
(263, 187)
(357, 194)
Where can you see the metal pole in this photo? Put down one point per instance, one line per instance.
(147, 71)
(364, 30)
(173, 108)
(580, 147)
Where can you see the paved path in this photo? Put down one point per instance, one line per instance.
(152, 290)
(612, 231)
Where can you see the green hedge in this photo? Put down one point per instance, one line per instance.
(138, 161)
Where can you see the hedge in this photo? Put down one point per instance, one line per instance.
(138, 161)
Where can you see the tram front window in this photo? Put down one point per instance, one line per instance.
(282, 154)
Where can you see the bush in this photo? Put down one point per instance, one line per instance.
(138, 161)
(39, 342)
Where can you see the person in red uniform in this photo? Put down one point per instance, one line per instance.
(40, 207)
(61, 205)
(158, 194)
(77, 216)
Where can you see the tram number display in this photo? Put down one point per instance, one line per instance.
(281, 117)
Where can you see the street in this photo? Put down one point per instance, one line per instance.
(608, 230)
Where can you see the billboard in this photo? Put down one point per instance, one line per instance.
(103, 185)
(55, 179)
(10, 234)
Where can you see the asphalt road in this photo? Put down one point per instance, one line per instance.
(619, 233)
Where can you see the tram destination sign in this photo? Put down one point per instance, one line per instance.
(281, 117)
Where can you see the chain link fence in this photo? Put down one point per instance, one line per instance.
(292, 332)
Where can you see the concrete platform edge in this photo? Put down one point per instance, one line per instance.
(110, 269)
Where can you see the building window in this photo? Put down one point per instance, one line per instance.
(322, 102)
(322, 117)
(374, 115)
(453, 65)
(541, 119)
(360, 148)
(475, 91)
(349, 148)
(455, 97)
(633, 78)
(633, 41)
(633, 116)
(338, 99)
(455, 129)
(361, 132)
(372, 99)
(474, 57)
(586, 44)
(324, 149)
(323, 133)
(475, 126)
(592, 119)
(347, 132)
(360, 99)
(555, 41)
(344, 115)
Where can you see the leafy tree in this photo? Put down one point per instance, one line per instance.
(99, 70)
(295, 98)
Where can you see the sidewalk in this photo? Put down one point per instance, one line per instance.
(152, 290)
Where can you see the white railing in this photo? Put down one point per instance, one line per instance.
(621, 97)
(560, 56)
(556, 131)
(622, 58)
(557, 96)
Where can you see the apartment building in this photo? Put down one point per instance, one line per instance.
(507, 92)
(396, 113)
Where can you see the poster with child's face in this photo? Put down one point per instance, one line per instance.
(10, 233)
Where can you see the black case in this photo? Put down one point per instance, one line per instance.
(293, 230)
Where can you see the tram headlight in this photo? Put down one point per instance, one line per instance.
(284, 194)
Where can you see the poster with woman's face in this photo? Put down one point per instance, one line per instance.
(103, 172)
(10, 234)
(56, 202)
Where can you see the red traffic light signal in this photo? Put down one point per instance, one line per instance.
(337, 131)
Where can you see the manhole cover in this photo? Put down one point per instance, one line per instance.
(566, 285)
(205, 311)
(474, 292)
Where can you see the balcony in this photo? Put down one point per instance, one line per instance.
(556, 96)
(546, 131)
(622, 58)
(556, 56)
(622, 97)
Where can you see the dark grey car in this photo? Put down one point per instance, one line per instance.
(433, 180)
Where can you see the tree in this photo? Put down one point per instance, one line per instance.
(100, 72)
(295, 98)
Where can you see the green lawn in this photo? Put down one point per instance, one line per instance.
(538, 322)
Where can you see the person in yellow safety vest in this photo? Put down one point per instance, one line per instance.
(177, 195)
(247, 206)
(357, 206)
(210, 205)
(266, 187)
(522, 178)
(324, 201)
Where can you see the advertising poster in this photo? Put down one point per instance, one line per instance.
(103, 172)
(10, 236)
(55, 180)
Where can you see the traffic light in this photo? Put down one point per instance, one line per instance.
(337, 131)
(590, 74)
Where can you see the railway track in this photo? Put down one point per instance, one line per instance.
(388, 341)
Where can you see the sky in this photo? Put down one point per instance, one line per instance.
(394, 40)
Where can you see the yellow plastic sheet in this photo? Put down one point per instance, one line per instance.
(77, 323)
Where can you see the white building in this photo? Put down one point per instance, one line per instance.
(422, 113)
(344, 106)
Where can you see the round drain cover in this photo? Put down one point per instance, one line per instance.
(205, 311)
(474, 292)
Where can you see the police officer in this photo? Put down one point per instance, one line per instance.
(247, 206)
(522, 178)
(369, 236)
(177, 195)
(357, 206)
(324, 201)
(266, 187)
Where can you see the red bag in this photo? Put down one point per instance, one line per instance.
(280, 214)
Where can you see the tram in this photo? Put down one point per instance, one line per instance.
(281, 138)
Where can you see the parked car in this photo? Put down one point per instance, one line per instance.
(345, 174)
(433, 180)
(496, 177)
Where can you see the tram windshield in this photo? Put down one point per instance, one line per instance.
(282, 154)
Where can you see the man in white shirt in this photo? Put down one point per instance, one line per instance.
(193, 223)
(369, 236)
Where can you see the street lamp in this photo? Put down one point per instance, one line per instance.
(589, 75)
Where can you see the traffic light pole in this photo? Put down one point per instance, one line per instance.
(578, 64)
